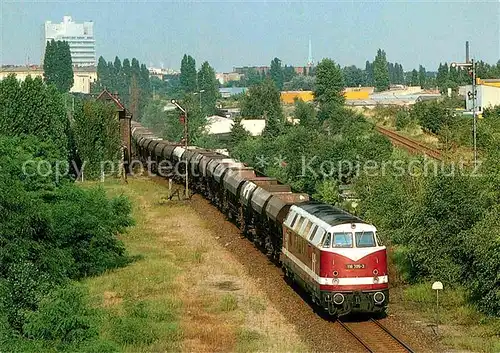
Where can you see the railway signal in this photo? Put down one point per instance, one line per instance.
(470, 65)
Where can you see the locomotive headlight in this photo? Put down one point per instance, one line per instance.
(379, 298)
(338, 298)
(335, 281)
(375, 279)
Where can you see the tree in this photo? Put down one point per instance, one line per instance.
(398, 74)
(32, 108)
(422, 76)
(288, 73)
(392, 72)
(57, 65)
(369, 73)
(414, 78)
(381, 71)
(276, 73)
(453, 75)
(209, 84)
(130, 79)
(353, 76)
(262, 100)
(306, 114)
(442, 76)
(103, 76)
(252, 77)
(97, 135)
(274, 126)
(329, 83)
(300, 83)
(188, 74)
(238, 133)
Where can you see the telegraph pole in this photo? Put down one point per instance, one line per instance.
(474, 116)
(472, 95)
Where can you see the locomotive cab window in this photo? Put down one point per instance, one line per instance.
(293, 221)
(319, 234)
(327, 240)
(307, 228)
(298, 225)
(365, 240)
(313, 232)
(342, 240)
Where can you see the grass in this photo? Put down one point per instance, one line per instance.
(249, 340)
(184, 292)
(462, 326)
(227, 303)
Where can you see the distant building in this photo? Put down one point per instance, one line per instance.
(227, 92)
(80, 37)
(244, 69)
(83, 77)
(488, 95)
(289, 97)
(224, 77)
(217, 125)
(161, 72)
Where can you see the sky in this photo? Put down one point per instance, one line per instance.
(239, 33)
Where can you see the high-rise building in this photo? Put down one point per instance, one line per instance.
(80, 37)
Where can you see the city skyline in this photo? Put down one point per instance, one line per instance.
(241, 34)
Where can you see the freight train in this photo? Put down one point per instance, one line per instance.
(335, 256)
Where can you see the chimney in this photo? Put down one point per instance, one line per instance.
(467, 52)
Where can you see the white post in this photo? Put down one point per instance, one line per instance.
(437, 286)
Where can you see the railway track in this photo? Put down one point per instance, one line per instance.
(409, 144)
(375, 337)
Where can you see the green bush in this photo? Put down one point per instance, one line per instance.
(443, 226)
(403, 119)
(63, 315)
(51, 231)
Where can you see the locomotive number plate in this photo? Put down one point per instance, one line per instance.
(354, 266)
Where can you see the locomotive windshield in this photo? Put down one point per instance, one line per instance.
(342, 240)
(365, 240)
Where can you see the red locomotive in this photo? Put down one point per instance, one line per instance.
(336, 257)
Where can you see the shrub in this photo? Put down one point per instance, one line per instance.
(403, 119)
(63, 315)
(51, 231)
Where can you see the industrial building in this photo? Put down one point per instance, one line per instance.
(83, 77)
(80, 37)
(488, 95)
(221, 127)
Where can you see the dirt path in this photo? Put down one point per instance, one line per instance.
(187, 292)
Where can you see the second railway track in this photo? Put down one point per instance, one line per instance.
(409, 144)
(375, 337)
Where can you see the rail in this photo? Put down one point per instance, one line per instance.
(375, 337)
(409, 144)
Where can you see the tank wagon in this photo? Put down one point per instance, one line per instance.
(335, 256)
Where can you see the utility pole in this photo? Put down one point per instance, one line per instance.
(186, 134)
(472, 95)
(474, 117)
